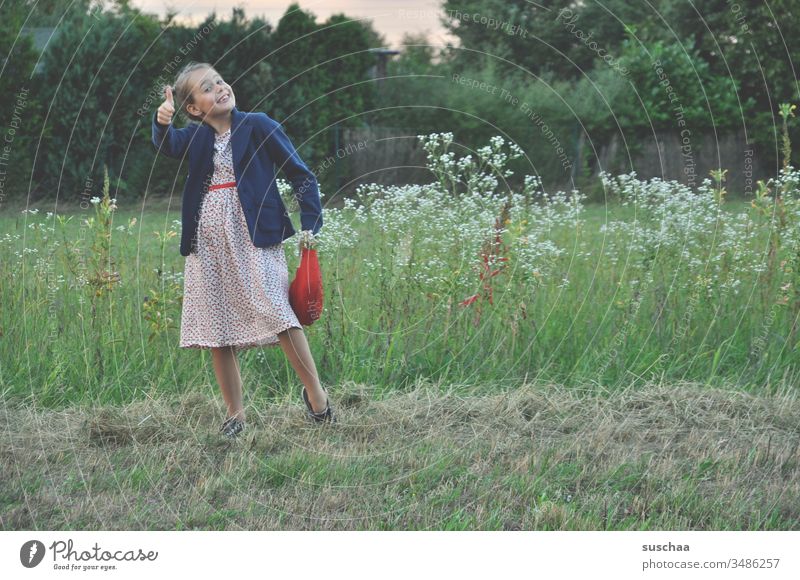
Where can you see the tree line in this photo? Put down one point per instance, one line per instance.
(588, 69)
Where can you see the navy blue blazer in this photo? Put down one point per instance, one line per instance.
(260, 147)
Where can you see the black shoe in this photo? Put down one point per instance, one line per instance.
(232, 427)
(326, 415)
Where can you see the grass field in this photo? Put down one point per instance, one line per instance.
(500, 361)
(674, 456)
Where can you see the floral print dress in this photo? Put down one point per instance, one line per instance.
(234, 293)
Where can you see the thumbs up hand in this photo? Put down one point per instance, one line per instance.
(167, 108)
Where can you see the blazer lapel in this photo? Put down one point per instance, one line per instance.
(204, 150)
(240, 136)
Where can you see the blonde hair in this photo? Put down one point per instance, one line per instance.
(181, 90)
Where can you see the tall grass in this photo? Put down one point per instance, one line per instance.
(460, 280)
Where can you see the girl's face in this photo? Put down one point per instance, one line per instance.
(212, 95)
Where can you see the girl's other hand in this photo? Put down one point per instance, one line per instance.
(306, 240)
(167, 108)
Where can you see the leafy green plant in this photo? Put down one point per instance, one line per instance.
(162, 305)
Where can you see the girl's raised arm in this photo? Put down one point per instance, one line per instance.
(167, 139)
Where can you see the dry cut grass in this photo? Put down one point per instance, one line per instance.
(538, 457)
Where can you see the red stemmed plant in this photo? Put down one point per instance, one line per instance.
(493, 259)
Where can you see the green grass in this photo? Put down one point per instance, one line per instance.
(63, 351)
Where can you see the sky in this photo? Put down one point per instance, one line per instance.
(390, 17)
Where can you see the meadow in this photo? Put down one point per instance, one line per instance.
(502, 359)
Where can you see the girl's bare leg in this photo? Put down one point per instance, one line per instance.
(294, 344)
(226, 367)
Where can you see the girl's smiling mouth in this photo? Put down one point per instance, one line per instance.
(224, 98)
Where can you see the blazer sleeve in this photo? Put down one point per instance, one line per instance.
(170, 141)
(304, 182)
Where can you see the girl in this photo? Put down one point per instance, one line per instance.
(236, 282)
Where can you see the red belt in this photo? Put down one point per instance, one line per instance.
(222, 185)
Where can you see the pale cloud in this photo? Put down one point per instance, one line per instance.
(390, 18)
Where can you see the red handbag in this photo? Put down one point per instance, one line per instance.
(305, 291)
